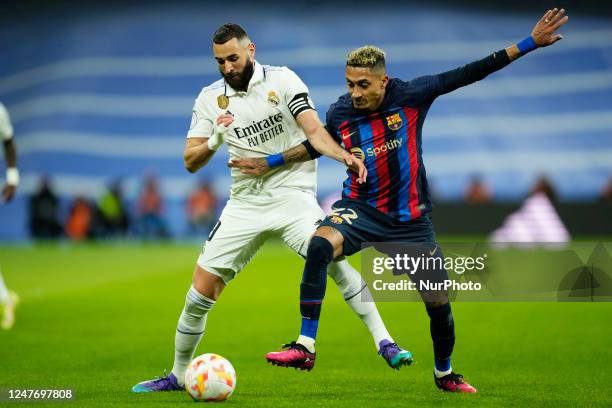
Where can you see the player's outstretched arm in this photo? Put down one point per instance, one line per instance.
(199, 150)
(12, 174)
(325, 144)
(258, 166)
(542, 35)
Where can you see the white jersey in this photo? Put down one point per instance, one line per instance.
(264, 124)
(6, 129)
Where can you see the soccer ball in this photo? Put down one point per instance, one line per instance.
(210, 377)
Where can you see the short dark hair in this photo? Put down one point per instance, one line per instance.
(228, 31)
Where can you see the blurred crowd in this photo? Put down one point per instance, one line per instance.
(110, 216)
(478, 192)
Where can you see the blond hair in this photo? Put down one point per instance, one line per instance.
(367, 56)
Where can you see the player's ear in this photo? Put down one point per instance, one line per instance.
(251, 48)
(385, 81)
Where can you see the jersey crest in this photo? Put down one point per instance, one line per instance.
(273, 99)
(394, 122)
(223, 101)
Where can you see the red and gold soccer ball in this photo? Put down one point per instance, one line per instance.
(210, 377)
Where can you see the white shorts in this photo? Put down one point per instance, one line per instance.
(244, 226)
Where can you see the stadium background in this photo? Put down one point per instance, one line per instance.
(103, 91)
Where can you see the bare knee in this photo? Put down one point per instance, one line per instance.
(207, 284)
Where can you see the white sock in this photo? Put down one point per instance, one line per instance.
(307, 342)
(368, 313)
(4, 295)
(359, 298)
(189, 331)
(440, 374)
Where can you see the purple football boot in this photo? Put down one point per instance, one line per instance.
(165, 383)
(393, 355)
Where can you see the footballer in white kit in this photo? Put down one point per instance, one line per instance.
(8, 298)
(258, 111)
(281, 202)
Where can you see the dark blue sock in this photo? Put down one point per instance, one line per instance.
(314, 279)
(442, 327)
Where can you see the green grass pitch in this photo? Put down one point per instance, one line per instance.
(99, 318)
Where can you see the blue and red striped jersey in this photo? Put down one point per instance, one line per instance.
(389, 139)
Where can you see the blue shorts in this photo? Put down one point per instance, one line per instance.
(359, 223)
(363, 226)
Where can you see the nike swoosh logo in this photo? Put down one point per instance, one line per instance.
(431, 253)
(348, 135)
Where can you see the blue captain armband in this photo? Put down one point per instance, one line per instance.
(275, 160)
(527, 45)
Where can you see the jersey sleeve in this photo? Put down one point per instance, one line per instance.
(436, 85)
(296, 94)
(202, 124)
(6, 129)
(330, 124)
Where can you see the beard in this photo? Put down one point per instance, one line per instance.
(240, 80)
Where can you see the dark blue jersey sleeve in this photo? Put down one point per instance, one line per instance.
(334, 134)
(336, 113)
(330, 126)
(432, 86)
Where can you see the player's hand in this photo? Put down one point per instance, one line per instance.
(356, 166)
(218, 138)
(544, 31)
(255, 166)
(226, 119)
(8, 192)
